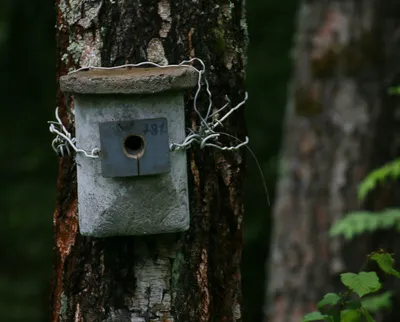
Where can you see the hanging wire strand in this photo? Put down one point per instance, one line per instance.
(64, 140)
(204, 136)
(264, 182)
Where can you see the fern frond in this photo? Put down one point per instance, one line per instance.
(394, 90)
(390, 170)
(360, 222)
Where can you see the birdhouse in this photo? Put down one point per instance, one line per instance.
(136, 186)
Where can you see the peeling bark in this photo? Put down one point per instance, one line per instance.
(193, 276)
(340, 124)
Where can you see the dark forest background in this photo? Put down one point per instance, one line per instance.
(28, 168)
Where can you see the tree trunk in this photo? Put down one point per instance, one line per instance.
(192, 276)
(340, 123)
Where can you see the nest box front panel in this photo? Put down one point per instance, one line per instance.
(134, 147)
(115, 196)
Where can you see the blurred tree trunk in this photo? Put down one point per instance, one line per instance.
(182, 277)
(340, 123)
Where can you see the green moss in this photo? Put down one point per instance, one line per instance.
(306, 104)
(220, 44)
(176, 269)
(64, 306)
(75, 49)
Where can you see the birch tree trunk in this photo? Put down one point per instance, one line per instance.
(194, 276)
(340, 124)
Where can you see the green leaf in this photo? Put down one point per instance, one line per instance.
(360, 222)
(388, 171)
(378, 302)
(362, 283)
(365, 187)
(350, 316)
(367, 316)
(389, 218)
(333, 314)
(385, 261)
(394, 90)
(352, 304)
(315, 316)
(329, 299)
(354, 224)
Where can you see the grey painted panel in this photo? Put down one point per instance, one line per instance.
(134, 147)
(137, 205)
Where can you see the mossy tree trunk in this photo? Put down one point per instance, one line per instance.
(193, 276)
(340, 124)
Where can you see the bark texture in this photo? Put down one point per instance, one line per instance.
(180, 277)
(340, 124)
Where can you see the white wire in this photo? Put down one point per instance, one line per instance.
(203, 136)
(257, 163)
(219, 122)
(222, 108)
(63, 141)
(63, 137)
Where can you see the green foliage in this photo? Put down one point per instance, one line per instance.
(362, 284)
(350, 316)
(343, 308)
(390, 170)
(394, 90)
(360, 222)
(379, 302)
(329, 299)
(385, 262)
(367, 315)
(316, 316)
